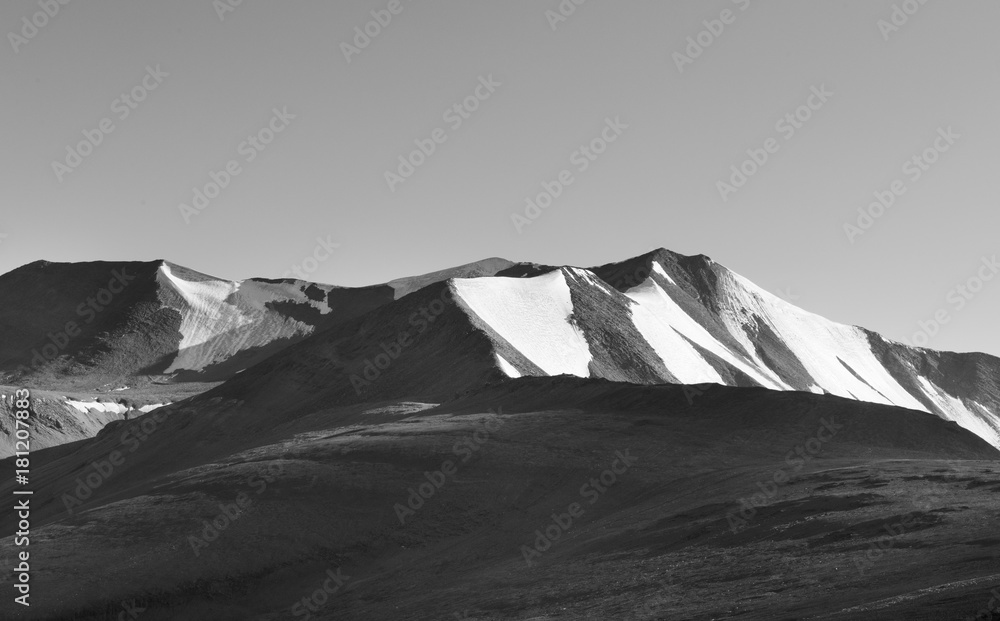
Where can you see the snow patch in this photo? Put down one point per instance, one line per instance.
(259, 294)
(85, 407)
(662, 322)
(532, 314)
(591, 278)
(956, 410)
(507, 367)
(819, 344)
(662, 272)
(220, 318)
(682, 360)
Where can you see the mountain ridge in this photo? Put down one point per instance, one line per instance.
(659, 317)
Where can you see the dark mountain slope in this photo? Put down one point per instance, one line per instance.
(324, 491)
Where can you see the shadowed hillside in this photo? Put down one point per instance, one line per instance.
(542, 498)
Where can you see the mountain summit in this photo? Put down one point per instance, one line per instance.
(661, 317)
(658, 318)
(436, 433)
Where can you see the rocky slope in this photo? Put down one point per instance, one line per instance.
(661, 317)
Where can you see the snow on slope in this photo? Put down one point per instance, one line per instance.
(257, 294)
(87, 407)
(683, 360)
(776, 344)
(532, 314)
(507, 367)
(957, 411)
(59, 419)
(220, 318)
(99, 406)
(661, 321)
(662, 272)
(588, 277)
(819, 344)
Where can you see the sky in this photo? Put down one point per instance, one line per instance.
(362, 141)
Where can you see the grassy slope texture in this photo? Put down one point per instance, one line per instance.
(546, 498)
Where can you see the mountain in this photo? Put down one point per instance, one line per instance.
(501, 441)
(661, 317)
(124, 336)
(103, 341)
(106, 322)
(87, 323)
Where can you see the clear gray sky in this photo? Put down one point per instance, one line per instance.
(531, 89)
